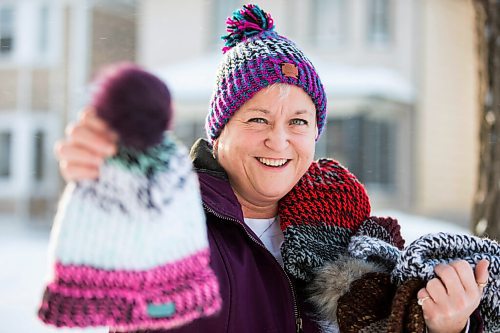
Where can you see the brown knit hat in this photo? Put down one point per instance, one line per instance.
(373, 304)
(406, 315)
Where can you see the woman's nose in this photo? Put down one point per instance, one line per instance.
(277, 138)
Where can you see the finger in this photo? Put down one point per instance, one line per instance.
(90, 140)
(436, 290)
(481, 272)
(450, 278)
(465, 275)
(89, 109)
(57, 148)
(78, 172)
(423, 296)
(96, 124)
(75, 154)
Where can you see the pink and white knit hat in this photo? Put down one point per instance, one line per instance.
(130, 250)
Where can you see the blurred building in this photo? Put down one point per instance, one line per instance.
(400, 77)
(49, 50)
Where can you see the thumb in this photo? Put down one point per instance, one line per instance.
(481, 271)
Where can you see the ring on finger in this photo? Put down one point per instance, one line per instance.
(482, 284)
(421, 301)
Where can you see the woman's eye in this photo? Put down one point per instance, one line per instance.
(298, 122)
(258, 120)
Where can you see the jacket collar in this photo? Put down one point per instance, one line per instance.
(216, 192)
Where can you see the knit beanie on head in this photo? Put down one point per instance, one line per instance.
(255, 58)
(130, 250)
(319, 215)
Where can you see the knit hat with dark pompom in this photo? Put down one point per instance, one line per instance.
(130, 250)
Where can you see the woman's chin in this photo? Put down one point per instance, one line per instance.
(272, 193)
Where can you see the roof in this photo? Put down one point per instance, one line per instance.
(193, 80)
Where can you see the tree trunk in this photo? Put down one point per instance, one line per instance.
(486, 212)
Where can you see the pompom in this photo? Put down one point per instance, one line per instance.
(246, 22)
(134, 103)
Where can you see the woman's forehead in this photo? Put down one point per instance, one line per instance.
(280, 93)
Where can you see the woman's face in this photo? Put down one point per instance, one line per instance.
(268, 144)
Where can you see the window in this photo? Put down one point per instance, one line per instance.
(379, 22)
(39, 158)
(330, 25)
(366, 146)
(6, 30)
(43, 29)
(5, 154)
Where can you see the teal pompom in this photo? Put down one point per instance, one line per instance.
(246, 22)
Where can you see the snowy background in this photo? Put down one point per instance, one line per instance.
(23, 264)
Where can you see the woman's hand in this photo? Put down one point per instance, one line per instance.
(449, 299)
(88, 142)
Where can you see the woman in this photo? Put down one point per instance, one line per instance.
(267, 111)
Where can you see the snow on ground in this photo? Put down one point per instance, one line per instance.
(23, 267)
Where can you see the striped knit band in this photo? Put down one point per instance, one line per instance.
(256, 62)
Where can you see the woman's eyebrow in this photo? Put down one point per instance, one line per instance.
(307, 111)
(262, 110)
(266, 111)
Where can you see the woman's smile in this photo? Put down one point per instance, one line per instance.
(273, 162)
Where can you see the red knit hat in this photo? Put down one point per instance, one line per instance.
(319, 215)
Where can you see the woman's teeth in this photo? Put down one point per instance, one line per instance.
(272, 162)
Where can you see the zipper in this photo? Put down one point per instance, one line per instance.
(298, 319)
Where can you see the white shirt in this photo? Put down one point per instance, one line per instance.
(269, 232)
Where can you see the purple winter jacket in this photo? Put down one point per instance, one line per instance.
(257, 294)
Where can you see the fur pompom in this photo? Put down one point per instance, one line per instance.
(334, 280)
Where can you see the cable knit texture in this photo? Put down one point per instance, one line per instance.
(419, 259)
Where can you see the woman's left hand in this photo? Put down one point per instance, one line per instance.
(449, 299)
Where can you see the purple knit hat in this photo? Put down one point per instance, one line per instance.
(255, 58)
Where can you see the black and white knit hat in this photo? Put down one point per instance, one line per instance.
(130, 249)
(420, 258)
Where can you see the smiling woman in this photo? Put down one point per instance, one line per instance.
(262, 191)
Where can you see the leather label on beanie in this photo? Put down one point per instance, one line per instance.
(290, 70)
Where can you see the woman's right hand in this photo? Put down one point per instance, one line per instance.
(87, 143)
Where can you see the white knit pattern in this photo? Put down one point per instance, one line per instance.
(420, 257)
(370, 248)
(129, 221)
